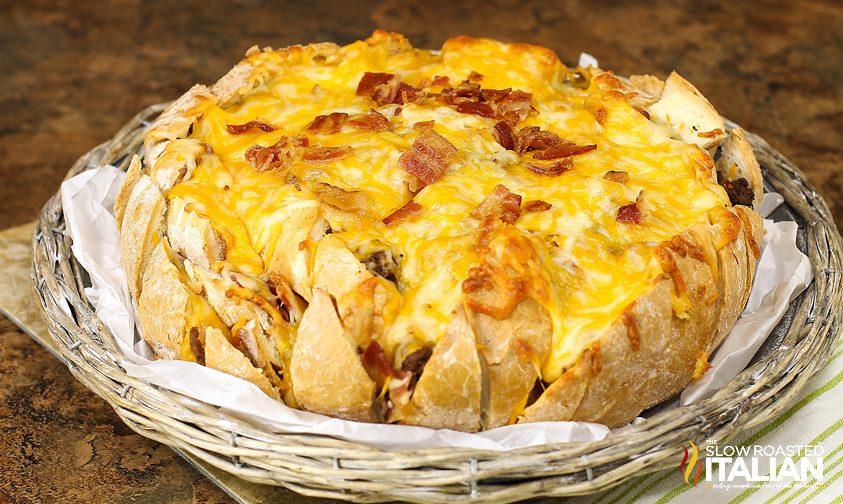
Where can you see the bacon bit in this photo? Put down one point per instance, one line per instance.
(475, 108)
(325, 154)
(474, 77)
(440, 81)
(494, 95)
(375, 363)
(621, 177)
(709, 134)
(631, 330)
(327, 124)
(536, 206)
(406, 93)
(501, 203)
(465, 92)
(196, 346)
(385, 88)
(410, 209)
(349, 201)
(207, 148)
(372, 121)
(397, 111)
(429, 157)
(236, 129)
(279, 156)
(517, 104)
(563, 150)
(377, 85)
(552, 170)
(533, 138)
(503, 134)
(600, 115)
(629, 214)
(642, 112)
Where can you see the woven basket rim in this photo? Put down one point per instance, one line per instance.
(328, 467)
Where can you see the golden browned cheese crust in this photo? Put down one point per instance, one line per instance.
(460, 239)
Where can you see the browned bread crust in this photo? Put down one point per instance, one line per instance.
(302, 329)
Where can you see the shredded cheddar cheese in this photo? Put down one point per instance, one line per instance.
(594, 265)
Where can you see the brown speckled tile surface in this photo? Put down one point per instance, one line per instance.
(74, 71)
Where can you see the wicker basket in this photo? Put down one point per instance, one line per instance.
(327, 467)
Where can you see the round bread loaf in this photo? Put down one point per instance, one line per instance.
(463, 238)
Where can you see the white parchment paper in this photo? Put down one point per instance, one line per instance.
(88, 198)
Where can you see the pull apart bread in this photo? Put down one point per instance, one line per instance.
(462, 239)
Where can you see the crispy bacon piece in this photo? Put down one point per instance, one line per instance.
(440, 81)
(429, 157)
(475, 108)
(327, 124)
(552, 170)
(494, 95)
(536, 206)
(325, 154)
(372, 121)
(504, 135)
(501, 203)
(533, 138)
(465, 92)
(563, 150)
(474, 77)
(386, 88)
(279, 156)
(410, 209)
(349, 201)
(629, 214)
(372, 84)
(405, 93)
(621, 177)
(236, 129)
(515, 106)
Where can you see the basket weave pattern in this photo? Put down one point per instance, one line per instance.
(327, 467)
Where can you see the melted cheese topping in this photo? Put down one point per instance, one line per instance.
(595, 265)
